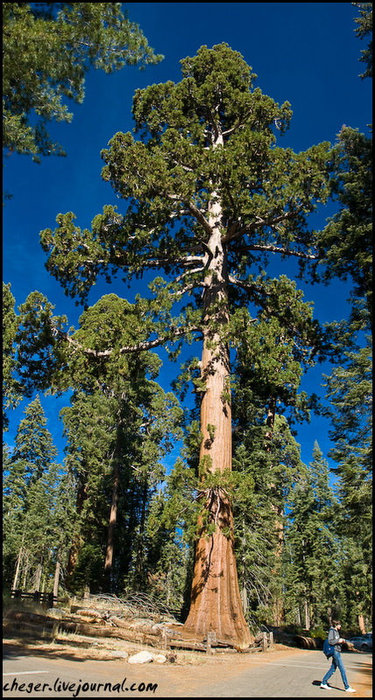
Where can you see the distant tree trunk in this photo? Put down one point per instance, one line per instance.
(77, 540)
(140, 563)
(56, 579)
(361, 624)
(18, 569)
(329, 616)
(26, 570)
(215, 597)
(277, 603)
(298, 616)
(112, 519)
(307, 614)
(244, 598)
(37, 577)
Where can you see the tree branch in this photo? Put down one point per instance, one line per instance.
(284, 251)
(139, 347)
(260, 222)
(199, 217)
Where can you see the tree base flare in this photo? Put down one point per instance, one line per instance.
(216, 607)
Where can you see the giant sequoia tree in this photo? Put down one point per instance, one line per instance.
(210, 197)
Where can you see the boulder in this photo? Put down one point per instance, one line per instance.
(143, 657)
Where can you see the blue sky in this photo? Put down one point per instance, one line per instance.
(306, 53)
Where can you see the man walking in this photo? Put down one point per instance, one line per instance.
(335, 640)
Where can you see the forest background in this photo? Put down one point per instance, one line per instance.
(307, 54)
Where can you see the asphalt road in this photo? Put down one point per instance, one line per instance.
(277, 674)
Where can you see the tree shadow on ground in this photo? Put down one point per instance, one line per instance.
(27, 648)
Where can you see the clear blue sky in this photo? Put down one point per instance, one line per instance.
(306, 53)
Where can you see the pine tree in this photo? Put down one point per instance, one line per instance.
(210, 196)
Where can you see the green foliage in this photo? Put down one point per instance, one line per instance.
(37, 502)
(119, 427)
(203, 144)
(347, 239)
(170, 177)
(12, 389)
(48, 49)
(38, 351)
(267, 462)
(364, 28)
(312, 546)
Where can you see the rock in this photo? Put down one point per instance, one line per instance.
(160, 658)
(143, 657)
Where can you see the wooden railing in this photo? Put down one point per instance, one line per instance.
(36, 596)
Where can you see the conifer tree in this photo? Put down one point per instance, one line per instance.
(12, 390)
(210, 198)
(312, 557)
(33, 442)
(350, 255)
(48, 49)
(363, 29)
(14, 496)
(30, 487)
(119, 426)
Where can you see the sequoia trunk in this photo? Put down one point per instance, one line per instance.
(215, 597)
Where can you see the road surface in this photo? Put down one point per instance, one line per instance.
(286, 673)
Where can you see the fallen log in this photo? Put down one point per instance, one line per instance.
(42, 622)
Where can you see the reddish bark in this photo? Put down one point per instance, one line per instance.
(112, 519)
(216, 604)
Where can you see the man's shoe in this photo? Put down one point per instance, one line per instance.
(350, 690)
(325, 686)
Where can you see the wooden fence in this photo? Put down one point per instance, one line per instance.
(36, 596)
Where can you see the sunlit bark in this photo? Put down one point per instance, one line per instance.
(216, 605)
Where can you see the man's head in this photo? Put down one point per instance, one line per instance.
(336, 624)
